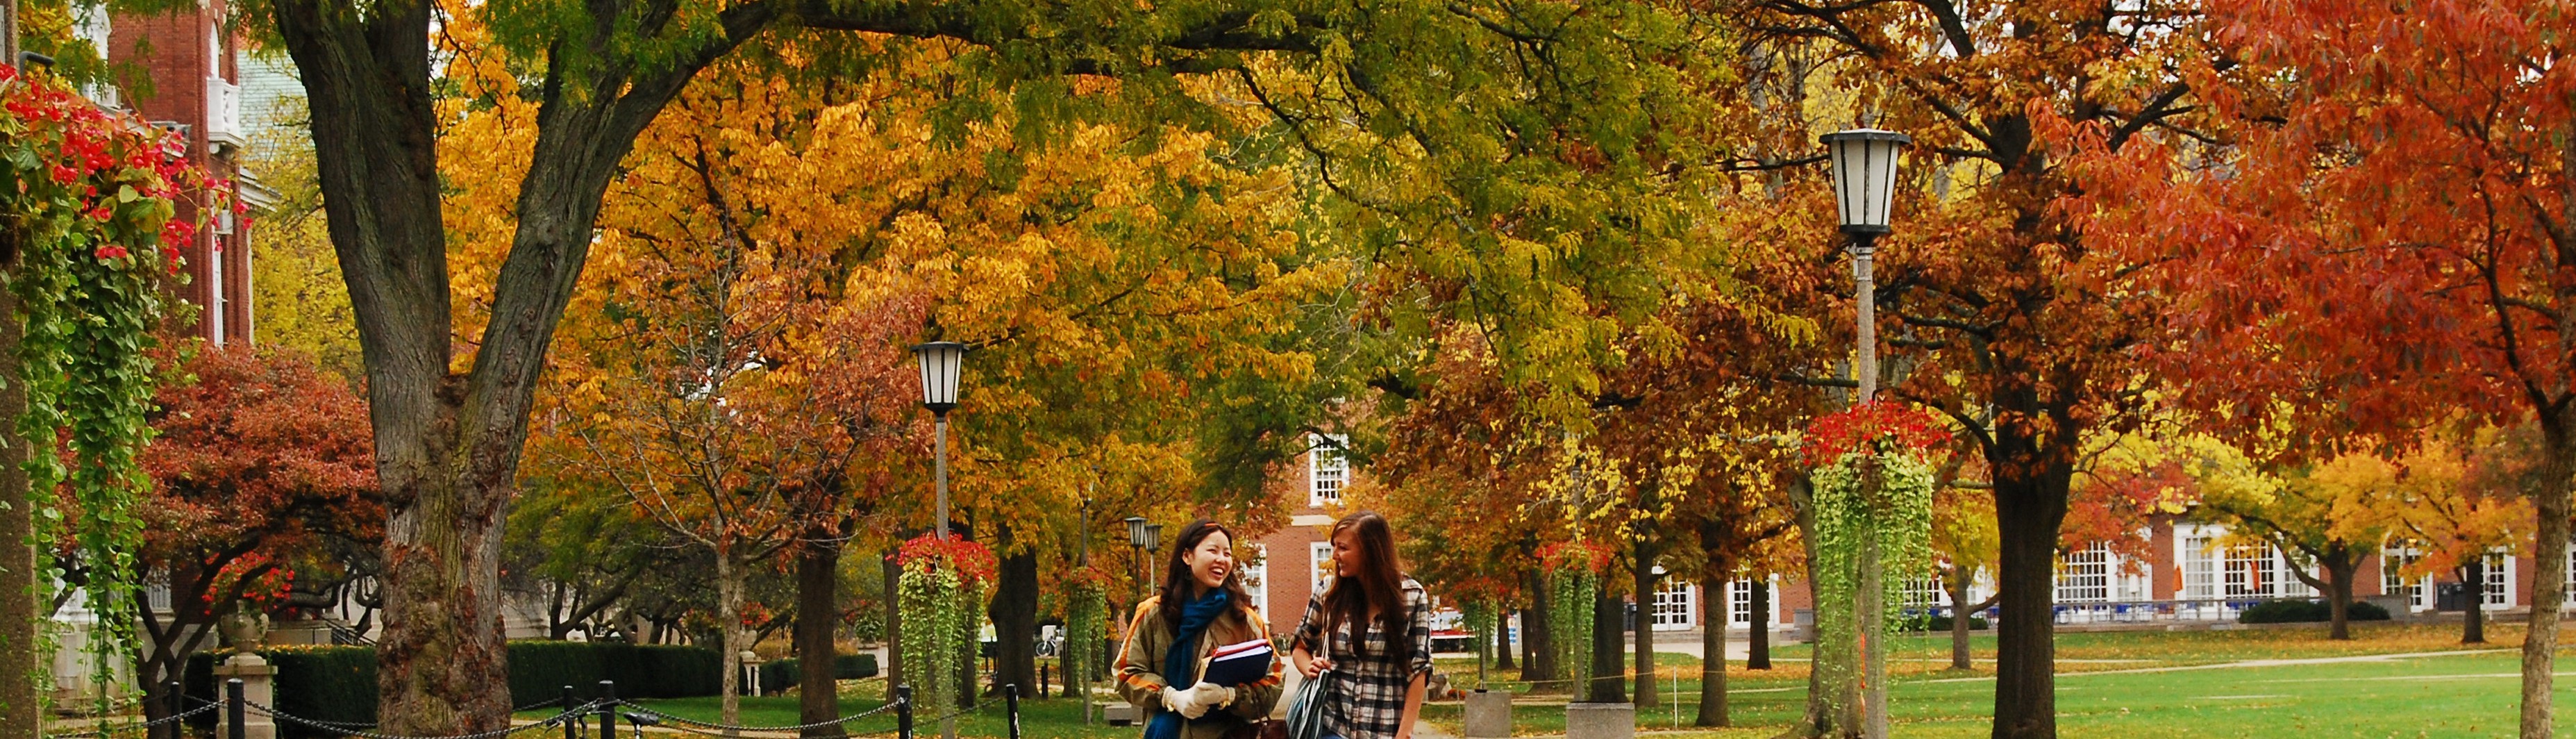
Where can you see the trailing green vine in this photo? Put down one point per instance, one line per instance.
(1873, 475)
(91, 215)
(1574, 582)
(941, 594)
(1086, 626)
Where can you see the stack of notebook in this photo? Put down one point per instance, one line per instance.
(1237, 664)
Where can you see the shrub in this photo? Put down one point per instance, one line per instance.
(539, 670)
(1918, 622)
(322, 683)
(2308, 611)
(783, 674)
(338, 684)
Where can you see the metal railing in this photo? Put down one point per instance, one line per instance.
(579, 719)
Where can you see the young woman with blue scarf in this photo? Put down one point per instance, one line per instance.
(1200, 608)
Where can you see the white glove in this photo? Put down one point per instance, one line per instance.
(1178, 701)
(1209, 696)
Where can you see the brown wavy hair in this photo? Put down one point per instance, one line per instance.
(1378, 583)
(1176, 573)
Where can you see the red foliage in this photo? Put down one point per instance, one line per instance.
(970, 560)
(1574, 555)
(1877, 427)
(261, 460)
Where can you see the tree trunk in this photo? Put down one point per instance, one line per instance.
(1825, 715)
(2030, 504)
(2339, 594)
(1645, 579)
(1608, 667)
(1503, 640)
(1712, 645)
(1015, 621)
(730, 637)
(1757, 640)
(21, 628)
(894, 623)
(2549, 571)
(1959, 578)
(818, 610)
(2473, 628)
(1538, 661)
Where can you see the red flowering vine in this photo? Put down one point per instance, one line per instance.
(1574, 555)
(1875, 427)
(971, 561)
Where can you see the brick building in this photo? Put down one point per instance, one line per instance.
(192, 62)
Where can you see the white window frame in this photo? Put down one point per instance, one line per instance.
(1675, 606)
(2419, 593)
(2084, 575)
(1256, 577)
(2499, 585)
(1319, 564)
(1328, 469)
(1739, 612)
(2197, 559)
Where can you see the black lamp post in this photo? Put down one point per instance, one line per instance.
(940, 361)
(1136, 545)
(1864, 166)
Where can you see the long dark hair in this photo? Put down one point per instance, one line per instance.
(1177, 581)
(1378, 582)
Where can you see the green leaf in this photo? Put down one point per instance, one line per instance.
(126, 194)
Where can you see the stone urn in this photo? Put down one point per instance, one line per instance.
(243, 630)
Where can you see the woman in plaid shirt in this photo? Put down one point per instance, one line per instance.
(1368, 636)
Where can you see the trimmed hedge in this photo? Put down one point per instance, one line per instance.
(320, 683)
(339, 683)
(1919, 622)
(2308, 611)
(540, 669)
(780, 675)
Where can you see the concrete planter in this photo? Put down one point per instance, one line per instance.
(1600, 721)
(1489, 714)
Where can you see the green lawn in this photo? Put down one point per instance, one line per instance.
(2455, 692)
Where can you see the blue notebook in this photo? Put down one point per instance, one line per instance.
(1237, 664)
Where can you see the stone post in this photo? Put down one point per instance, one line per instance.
(1489, 714)
(259, 686)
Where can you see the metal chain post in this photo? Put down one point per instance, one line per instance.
(608, 711)
(236, 710)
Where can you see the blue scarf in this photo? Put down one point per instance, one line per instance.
(1195, 617)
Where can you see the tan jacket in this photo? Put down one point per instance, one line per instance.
(1140, 664)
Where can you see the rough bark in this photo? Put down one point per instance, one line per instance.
(1822, 718)
(1712, 663)
(2549, 570)
(20, 715)
(1959, 619)
(1538, 663)
(1609, 680)
(2030, 504)
(1757, 640)
(1015, 621)
(894, 624)
(1645, 641)
(1503, 642)
(818, 610)
(732, 638)
(2473, 627)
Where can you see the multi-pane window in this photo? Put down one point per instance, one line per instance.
(2199, 567)
(2499, 580)
(1319, 555)
(2393, 562)
(1672, 604)
(2252, 570)
(1327, 470)
(1739, 609)
(2084, 576)
(1255, 567)
(1922, 593)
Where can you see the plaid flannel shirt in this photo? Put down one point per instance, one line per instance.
(1365, 691)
